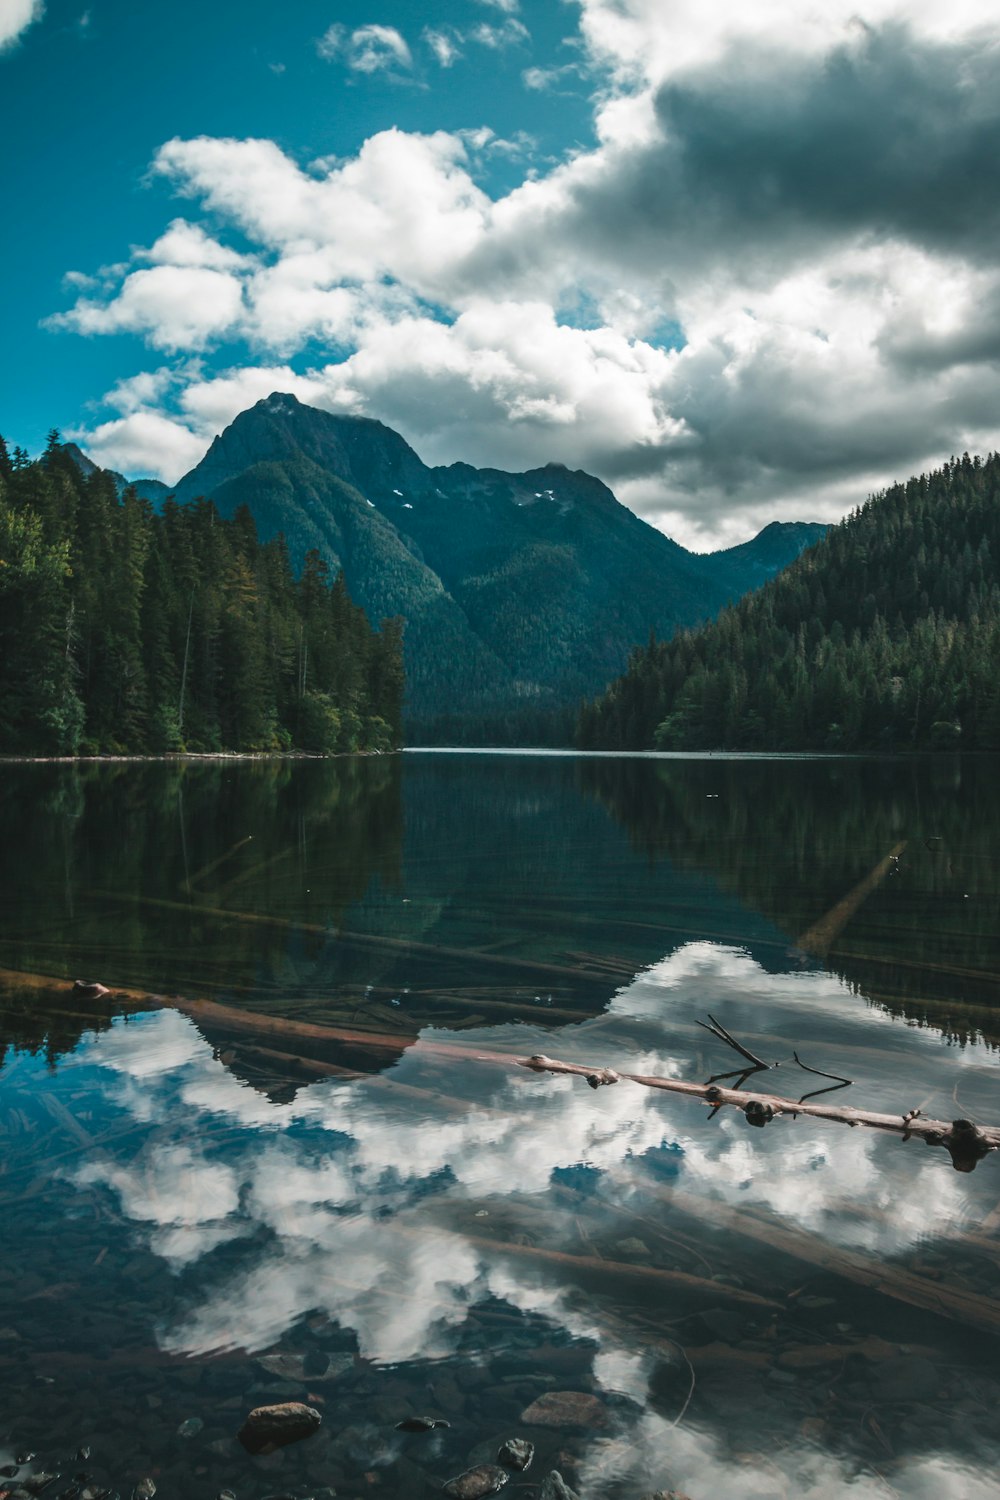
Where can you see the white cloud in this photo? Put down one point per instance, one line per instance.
(539, 80)
(445, 45)
(510, 33)
(367, 49)
(143, 444)
(174, 307)
(15, 18)
(744, 303)
(185, 244)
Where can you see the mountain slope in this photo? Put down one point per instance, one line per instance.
(521, 592)
(886, 634)
(147, 489)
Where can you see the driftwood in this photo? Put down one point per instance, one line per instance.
(965, 1142)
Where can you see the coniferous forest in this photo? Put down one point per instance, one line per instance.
(127, 630)
(885, 635)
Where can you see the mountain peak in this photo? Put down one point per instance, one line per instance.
(279, 403)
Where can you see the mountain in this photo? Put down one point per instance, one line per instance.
(885, 635)
(520, 592)
(752, 563)
(147, 489)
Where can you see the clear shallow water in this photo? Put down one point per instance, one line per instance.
(458, 1236)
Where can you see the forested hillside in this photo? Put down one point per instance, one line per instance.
(521, 592)
(127, 630)
(884, 635)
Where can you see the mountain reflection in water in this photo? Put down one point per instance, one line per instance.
(459, 1236)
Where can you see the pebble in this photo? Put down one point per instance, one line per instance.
(190, 1427)
(516, 1453)
(144, 1490)
(269, 1427)
(486, 1479)
(39, 1482)
(565, 1409)
(225, 1495)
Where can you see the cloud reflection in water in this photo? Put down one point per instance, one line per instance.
(361, 1201)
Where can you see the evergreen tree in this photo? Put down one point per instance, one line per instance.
(123, 629)
(885, 635)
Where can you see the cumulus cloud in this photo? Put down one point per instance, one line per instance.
(143, 444)
(770, 286)
(367, 49)
(15, 18)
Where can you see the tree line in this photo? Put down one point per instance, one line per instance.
(885, 635)
(129, 630)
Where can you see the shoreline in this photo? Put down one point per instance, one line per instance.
(184, 756)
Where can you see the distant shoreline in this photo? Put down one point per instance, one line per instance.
(183, 756)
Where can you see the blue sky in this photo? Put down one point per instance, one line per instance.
(738, 260)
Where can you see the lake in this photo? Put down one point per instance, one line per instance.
(334, 1184)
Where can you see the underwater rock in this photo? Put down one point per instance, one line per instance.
(474, 1484)
(269, 1427)
(516, 1453)
(565, 1409)
(554, 1487)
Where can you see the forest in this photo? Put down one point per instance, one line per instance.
(885, 635)
(127, 630)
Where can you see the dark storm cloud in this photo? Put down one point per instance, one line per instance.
(765, 158)
(894, 134)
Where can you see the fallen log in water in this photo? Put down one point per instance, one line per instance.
(965, 1142)
(880, 1276)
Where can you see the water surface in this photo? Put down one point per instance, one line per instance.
(422, 1227)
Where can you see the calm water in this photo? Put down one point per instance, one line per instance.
(201, 1214)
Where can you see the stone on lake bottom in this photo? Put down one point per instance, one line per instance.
(474, 1484)
(554, 1487)
(565, 1409)
(516, 1453)
(269, 1427)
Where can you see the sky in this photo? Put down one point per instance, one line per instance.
(740, 260)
